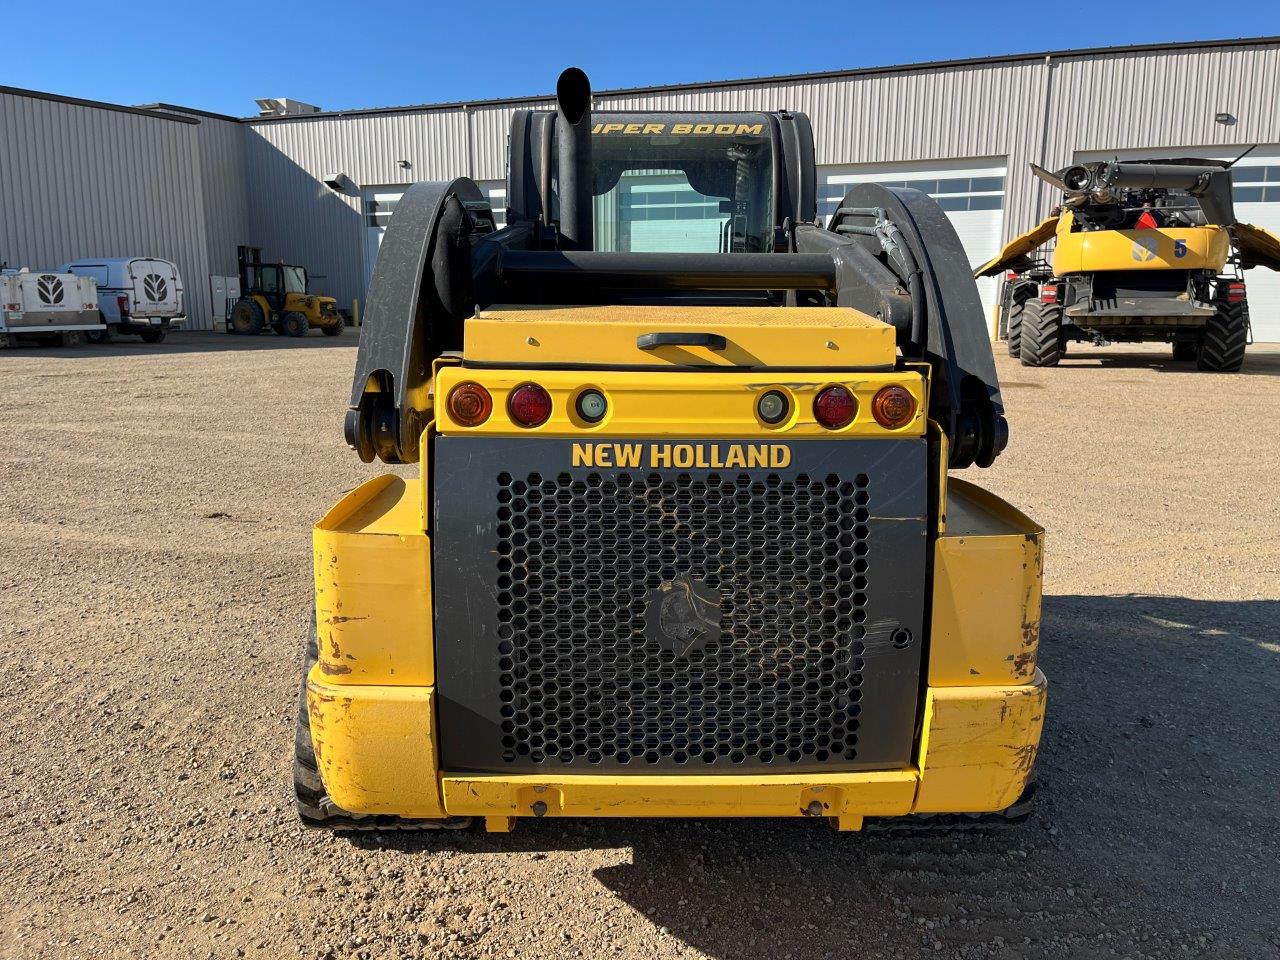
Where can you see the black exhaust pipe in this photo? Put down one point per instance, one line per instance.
(573, 157)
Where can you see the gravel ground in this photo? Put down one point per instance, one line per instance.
(154, 585)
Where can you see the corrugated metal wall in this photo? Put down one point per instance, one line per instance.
(78, 181)
(85, 181)
(1021, 110)
(296, 218)
(225, 176)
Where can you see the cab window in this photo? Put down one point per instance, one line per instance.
(688, 184)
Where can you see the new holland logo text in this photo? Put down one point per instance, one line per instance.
(705, 456)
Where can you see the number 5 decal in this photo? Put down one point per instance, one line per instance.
(1179, 248)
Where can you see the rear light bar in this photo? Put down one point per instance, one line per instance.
(1235, 291)
(1049, 293)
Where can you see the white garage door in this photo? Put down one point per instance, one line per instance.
(1257, 194)
(971, 191)
(380, 204)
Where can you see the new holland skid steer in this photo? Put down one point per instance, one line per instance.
(1144, 251)
(682, 541)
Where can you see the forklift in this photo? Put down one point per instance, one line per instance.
(275, 295)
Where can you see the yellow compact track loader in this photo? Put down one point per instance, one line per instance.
(1143, 251)
(682, 541)
(275, 295)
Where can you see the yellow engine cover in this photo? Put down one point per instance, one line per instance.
(1165, 248)
(753, 337)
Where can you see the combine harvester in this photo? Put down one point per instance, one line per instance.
(1144, 251)
(683, 541)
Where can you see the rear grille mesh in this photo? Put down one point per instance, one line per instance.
(580, 559)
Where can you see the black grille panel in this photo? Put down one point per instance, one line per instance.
(555, 651)
(579, 562)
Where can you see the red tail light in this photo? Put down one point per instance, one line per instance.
(1235, 292)
(122, 301)
(834, 407)
(529, 405)
(1049, 293)
(470, 404)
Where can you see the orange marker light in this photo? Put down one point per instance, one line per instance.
(470, 404)
(893, 407)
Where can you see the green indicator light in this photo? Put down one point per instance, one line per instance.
(772, 406)
(592, 405)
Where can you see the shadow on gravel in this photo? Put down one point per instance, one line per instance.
(178, 343)
(1155, 834)
(1260, 364)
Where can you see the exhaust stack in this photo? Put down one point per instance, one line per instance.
(573, 156)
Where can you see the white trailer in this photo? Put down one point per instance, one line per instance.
(56, 306)
(142, 295)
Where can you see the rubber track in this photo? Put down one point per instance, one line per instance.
(315, 809)
(1016, 813)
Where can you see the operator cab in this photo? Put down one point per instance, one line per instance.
(681, 183)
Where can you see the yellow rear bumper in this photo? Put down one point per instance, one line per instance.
(371, 695)
(376, 750)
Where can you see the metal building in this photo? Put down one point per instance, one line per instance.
(204, 187)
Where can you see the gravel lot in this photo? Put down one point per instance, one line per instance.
(154, 585)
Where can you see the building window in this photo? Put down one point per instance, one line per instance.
(952, 193)
(378, 209)
(1256, 184)
(495, 191)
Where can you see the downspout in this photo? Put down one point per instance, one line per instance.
(1042, 157)
(471, 149)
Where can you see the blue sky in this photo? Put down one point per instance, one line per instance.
(221, 56)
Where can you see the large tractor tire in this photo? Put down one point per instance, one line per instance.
(1223, 339)
(247, 317)
(1040, 334)
(334, 329)
(154, 335)
(315, 809)
(294, 324)
(1013, 330)
(1013, 299)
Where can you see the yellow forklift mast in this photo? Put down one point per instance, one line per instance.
(683, 541)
